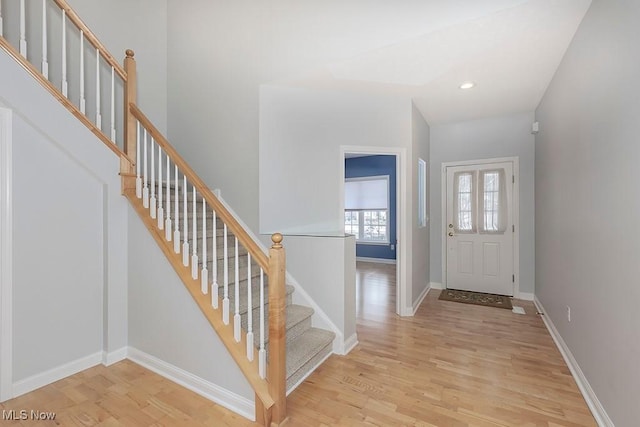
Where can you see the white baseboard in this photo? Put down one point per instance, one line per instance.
(213, 392)
(589, 395)
(376, 260)
(527, 296)
(116, 356)
(52, 375)
(436, 285)
(421, 298)
(349, 344)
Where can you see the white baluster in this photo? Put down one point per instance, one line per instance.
(176, 216)
(145, 188)
(113, 105)
(204, 279)
(153, 203)
(249, 311)
(167, 225)
(262, 353)
(138, 178)
(1, 25)
(45, 64)
(214, 258)
(23, 30)
(98, 115)
(160, 207)
(236, 316)
(83, 101)
(225, 261)
(194, 238)
(185, 224)
(65, 85)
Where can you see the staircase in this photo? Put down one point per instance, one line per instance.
(238, 285)
(306, 346)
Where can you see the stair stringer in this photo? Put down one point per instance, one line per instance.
(225, 332)
(319, 319)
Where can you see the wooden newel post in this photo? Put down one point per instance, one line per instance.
(130, 90)
(277, 373)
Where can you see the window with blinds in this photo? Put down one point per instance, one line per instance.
(366, 214)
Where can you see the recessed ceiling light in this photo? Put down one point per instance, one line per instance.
(467, 85)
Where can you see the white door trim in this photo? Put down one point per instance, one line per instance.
(401, 222)
(516, 215)
(6, 260)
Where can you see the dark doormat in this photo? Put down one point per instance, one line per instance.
(477, 298)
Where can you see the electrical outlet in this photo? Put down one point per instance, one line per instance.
(568, 314)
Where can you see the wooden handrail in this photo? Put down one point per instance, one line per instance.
(256, 252)
(36, 74)
(91, 38)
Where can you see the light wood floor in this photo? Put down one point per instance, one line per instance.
(451, 365)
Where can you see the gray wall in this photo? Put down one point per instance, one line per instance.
(507, 136)
(587, 204)
(420, 148)
(69, 236)
(301, 132)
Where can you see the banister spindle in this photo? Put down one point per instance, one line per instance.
(145, 188)
(113, 105)
(153, 202)
(45, 63)
(1, 24)
(65, 84)
(262, 353)
(204, 279)
(249, 311)
(98, 115)
(23, 30)
(194, 237)
(225, 263)
(185, 224)
(167, 225)
(236, 316)
(176, 216)
(138, 178)
(83, 101)
(160, 214)
(214, 259)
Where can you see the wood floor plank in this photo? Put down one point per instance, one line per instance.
(450, 365)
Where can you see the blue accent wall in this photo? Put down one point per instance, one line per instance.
(359, 167)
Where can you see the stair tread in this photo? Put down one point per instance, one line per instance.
(305, 347)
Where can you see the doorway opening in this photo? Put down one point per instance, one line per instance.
(372, 206)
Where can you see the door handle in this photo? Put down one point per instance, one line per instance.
(451, 234)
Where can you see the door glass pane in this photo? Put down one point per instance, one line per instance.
(464, 186)
(491, 198)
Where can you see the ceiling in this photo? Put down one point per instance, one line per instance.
(510, 49)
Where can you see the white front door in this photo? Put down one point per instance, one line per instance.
(479, 228)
